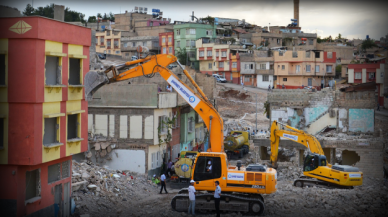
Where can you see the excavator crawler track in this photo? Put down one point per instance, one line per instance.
(304, 181)
(246, 204)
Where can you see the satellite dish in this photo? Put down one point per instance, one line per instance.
(244, 46)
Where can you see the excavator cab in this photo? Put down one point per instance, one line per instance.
(313, 161)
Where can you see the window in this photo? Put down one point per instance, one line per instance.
(125, 44)
(32, 184)
(262, 66)
(280, 53)
(53, 71)
(54, 173)
(117, 51)
(157, 158)
(278, 41)
(311, 41)
(153, 159)
(284, 79)
(178, 43)
(210, 66)
(190, 43)
(209, 32)
(190, 31)
(234, 65)
(202, 171)
(372, 75)
(201, 53)
(283, 67)
(102, 41)
(156, 44)
(297, 68)
(329, 55)
(116, 43)
(151, 23)
(294, 54)
(217, 54)
(163, 124)
(251, 66)
(126, 54)
(307, 54)
(51, 127)
(2, 69)
(308, 68)
(247, 78)
(316, 68)
(74, 71)
(317, 54)
(209, 53)
(164, 50)
(144, 43)
(163, 40)
(170, 50)
(329, 68)
(72, 126)
(65, 169)
(357, 75)
(265, 77)
(1, 133)
(169, 39)
(190, 125)
(223, 54)
(178, 32)
(220, 64)
(108, 43)
(133, 44)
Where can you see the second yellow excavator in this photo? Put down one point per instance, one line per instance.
(316, 170)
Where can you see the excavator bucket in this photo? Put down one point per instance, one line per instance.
(93, 81)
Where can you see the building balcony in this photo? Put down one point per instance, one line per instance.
(264, 71)
(167, 100)
(116, 47)
(108, 47)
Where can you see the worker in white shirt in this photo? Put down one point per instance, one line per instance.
(192, 194)
(209, 167)
(169, 88)
(217, 197)
(163, 183)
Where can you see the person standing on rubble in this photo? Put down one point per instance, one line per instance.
(217, 197)
(192, 194)
(163, 183)
(169, 168)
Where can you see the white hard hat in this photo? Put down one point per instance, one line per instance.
(192, 181)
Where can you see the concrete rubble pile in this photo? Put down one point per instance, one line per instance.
(105, 189)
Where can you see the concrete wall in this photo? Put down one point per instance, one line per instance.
(313, 112)
(6, 11)
(264, 84)
(124, 95)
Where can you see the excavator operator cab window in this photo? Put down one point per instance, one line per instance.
(322, 160)
(310, 163)
(205, 171)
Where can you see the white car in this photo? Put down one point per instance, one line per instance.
(134, 58)
(219, 78)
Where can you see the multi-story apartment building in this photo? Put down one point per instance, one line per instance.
(308, 68)
(257, 69)
(185, 36)
(166, 43)
(216, 58)
(130, 45)
(43, 115)
(109, 42)
(369, 72)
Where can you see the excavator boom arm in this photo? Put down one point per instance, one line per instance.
(299, 136)
(158, 64)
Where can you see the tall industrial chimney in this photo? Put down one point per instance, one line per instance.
(296, 11)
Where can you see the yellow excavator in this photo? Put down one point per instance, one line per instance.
(316, 170)
(241, 186)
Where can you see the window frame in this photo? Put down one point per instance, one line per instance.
(285, 79)
(317, 67)
(210, 66)
(209, 53)
(222, 53)
(358, 73)
(234, 64)
(308, 68)
(201, 53)
(220, 63)
(265, 78)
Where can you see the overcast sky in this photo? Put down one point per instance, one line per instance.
(351, 18)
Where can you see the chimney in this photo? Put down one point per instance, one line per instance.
(296, 12)
(59, 12)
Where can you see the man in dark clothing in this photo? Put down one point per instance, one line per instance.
(163, 183)
(378, 106)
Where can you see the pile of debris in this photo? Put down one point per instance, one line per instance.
(95, 186)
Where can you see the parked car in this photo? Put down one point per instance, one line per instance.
(102, 57)
(171, 66)
(134, 58)
(219, 78)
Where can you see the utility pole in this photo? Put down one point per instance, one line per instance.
(256, 115)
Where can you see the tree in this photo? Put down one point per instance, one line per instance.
(339, 36)
(29, 10)
(104, 17)
(111, 17)
(182, 56)
(368, 43)
(99, 15)
(92, 19)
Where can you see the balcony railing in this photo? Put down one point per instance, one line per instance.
(264, 71)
